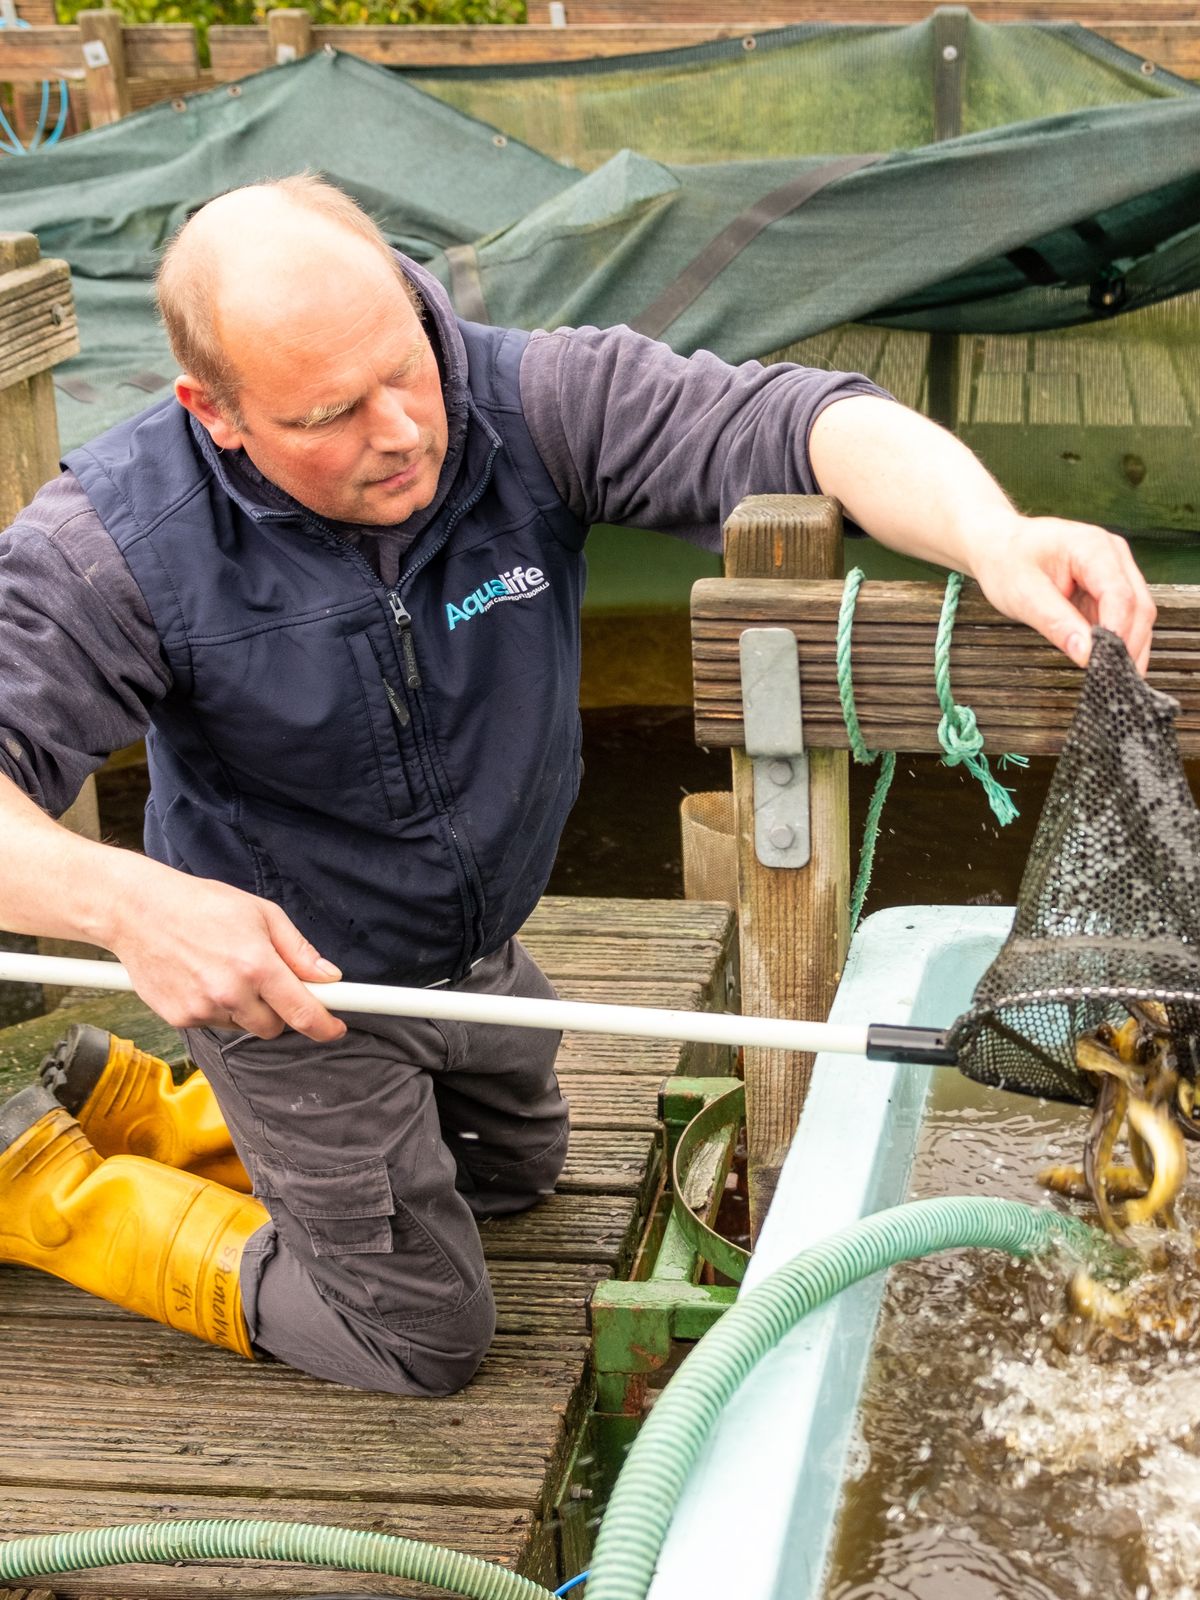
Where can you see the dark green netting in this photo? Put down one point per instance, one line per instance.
(1042, 264)
(816, 89)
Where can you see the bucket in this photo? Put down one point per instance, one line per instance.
(709, 847)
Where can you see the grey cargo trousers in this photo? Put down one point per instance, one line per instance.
(376, 1157)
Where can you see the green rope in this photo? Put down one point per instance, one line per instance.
(858, 747)
(958, 732)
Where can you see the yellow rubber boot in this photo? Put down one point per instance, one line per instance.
(128, 1104)
(159, 1242)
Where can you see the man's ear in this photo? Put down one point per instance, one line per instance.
(193, 397)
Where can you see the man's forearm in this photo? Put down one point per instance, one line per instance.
(905, 481)
(913, 486)
(54, 882)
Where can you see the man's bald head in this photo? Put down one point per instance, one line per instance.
(233, 272)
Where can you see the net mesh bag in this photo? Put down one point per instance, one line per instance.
(1109, 906)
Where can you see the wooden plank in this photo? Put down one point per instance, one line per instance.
(999, 397)
(579, 1228)
(785, 13)
(1022, 689)
(600, 1161)
(1053, 398)
(238, 50)
(37, 320)
(1107, 402)
(585, 916)
(1158, 400)
(532, 1297)
(137, 1407)
(611, 1103)
(28, 55)
(161, 50)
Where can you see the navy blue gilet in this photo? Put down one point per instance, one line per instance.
(391, 767)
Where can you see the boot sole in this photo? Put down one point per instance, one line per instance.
(76, 1064)
(20, 1113)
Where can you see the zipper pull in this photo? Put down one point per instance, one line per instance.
(412, 673)
(399, 709)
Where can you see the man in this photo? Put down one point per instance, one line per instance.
(338, 576)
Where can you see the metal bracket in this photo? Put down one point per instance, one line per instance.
(774, 734)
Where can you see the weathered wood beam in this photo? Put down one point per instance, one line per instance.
(1022, 690)
(37, 320)
(107, 77)
(239, 50)
(782, 13)
(289, 34)
(793, 923)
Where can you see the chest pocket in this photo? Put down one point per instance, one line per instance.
(301, 715)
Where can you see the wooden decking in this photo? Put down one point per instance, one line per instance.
(109, 1419)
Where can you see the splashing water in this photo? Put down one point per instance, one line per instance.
(1009, 1450)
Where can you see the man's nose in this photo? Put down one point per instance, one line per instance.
(392, 430)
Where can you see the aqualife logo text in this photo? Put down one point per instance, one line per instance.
(522, 583)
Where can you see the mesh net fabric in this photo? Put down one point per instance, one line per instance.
(1109, 908)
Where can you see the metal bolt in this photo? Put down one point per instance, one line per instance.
(781, 836)
(950, 53)
(499, 141)
(1148, 69)
(781, 773)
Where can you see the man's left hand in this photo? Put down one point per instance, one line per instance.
(1062, 578)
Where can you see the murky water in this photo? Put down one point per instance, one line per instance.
(1006, 1448)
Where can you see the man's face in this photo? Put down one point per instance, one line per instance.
(341, 400)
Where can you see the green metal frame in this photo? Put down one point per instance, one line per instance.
(637, 1325)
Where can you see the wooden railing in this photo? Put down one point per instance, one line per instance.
(117, 69)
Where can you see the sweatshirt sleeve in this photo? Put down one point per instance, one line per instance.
(635, 435)
(80, 660)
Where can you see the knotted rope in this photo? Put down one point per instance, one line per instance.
(958, 731)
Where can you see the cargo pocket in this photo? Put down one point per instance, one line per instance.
(346, 1210)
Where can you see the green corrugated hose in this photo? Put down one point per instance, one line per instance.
(644, 1499)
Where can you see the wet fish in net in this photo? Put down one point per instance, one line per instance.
(1140, 1097)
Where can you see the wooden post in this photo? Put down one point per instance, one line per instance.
(37, 330)
(108, 94)
(289, 31)
(793, 922)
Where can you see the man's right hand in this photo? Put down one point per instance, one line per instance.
(204, 955)
(200, 953)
